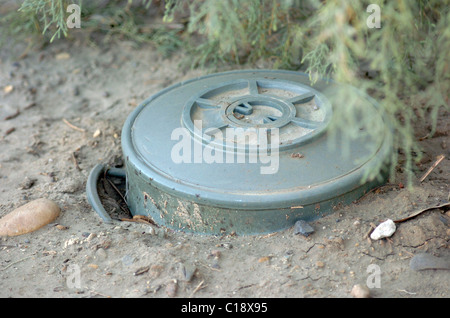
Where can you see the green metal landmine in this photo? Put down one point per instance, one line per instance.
(245, 152)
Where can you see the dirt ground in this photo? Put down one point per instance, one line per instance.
(47, 94)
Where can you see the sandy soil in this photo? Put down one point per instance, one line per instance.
(95, 88)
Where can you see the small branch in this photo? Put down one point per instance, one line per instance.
(20, 260)
(17, 113)
(423, 210)
(199, 286)
(10, 130)
(73, 126)
(75, 162)
(405, 291)
(439, 159)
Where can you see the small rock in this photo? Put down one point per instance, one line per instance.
(62, 56)
(297, 155)
(215, 254)
(91, 237)
(385, 229)
(215, 265)
(27, 183)
(303, 228)
(29, 217)
(188, 271)
(127, 260)
(320, 264)
(8, 89)
(105, 243)
(264, 259)
(444, 219)
(360, 291)
(424, 261)
(97, 133)
(171, 288)
(228, 246)
(71, 241)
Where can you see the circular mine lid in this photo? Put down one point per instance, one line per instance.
(250, 140)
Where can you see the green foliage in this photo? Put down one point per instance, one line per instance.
(404, 64)
(48, 16)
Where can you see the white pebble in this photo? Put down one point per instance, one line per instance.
(360, 291)
(385, 229)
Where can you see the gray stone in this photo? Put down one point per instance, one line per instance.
(303, 228)
(427, 261)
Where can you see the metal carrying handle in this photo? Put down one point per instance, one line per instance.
(91, 188)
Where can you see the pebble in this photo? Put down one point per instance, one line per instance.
(188, 271)
(71, 241)
(264, 259)
(27, 183)
(91, 237)
(215, 254)
(96, 133)
(8, 89)
(127, 260)
(385, 229)
(360, 291)
(424, 261)
(62, 56)
(303, 228)
(100, 253)
(171, 288)
(29, 217)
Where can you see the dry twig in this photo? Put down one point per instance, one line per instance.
(17, 113)
(73, 126)
(438, 160)
(74, 159)
(199, 286)
(20, 260)
(421, 211)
